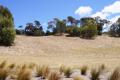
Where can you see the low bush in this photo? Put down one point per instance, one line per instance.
(88, 32)
(73, 31)
(7, 36)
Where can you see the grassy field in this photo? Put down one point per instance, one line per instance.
(57, 50)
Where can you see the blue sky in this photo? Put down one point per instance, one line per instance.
(45, 10)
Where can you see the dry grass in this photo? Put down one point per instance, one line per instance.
(24, 74)
(54, 76)
(84, 70)
(77, 78)
(115, 75)
(3, 73)
(3, 64)
(43, 71)
(70, 51)
(95, 74)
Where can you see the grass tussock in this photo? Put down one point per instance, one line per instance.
(95, 74)
(24, 74)
(61, 69)
(43, 71)
(31, 65)
(66, 70)
(4, 72)
(3, 64)
(84, 70)
(54, 76)
(115, 75)
(11, 66)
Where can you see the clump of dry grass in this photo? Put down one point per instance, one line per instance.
(24, 74)
(115, 75)
(66, 70)
(61, 69)
(102, 68)
(84, 70)
(43, 71)
(32, 65)
(3, 64)
(3, 73)
(54, 76)
(11, 66)
(95, 74)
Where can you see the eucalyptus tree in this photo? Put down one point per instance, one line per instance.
(115, 29)
(100, 23)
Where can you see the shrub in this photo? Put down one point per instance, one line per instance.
(115, 75)
(88, 31)
(73, 31)
(54, 76)
(84, 70)
(7, 32)
(7, 36)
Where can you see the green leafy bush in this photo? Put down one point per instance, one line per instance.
(7, 36)
(88, 32)
(73, 31)
(7, 32)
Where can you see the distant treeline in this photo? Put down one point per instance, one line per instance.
(86, 27)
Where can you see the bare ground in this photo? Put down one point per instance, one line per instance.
(57, 50)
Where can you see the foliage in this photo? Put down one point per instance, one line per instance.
(7, 36)
(34, 30)
(88, 32)
(7, 32)
(73, 30)
(115, 29)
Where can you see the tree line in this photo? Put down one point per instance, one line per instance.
(86, 27)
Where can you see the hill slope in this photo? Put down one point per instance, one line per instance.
(56, 50)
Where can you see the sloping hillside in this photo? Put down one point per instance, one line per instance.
(57, 50)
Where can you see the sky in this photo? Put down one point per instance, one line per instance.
(25, 11)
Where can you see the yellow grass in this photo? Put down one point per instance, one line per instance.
(69, 51)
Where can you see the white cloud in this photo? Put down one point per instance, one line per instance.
(100, 14)
(109, 10)
(114, 19)
(83, 10)
(113, 8)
